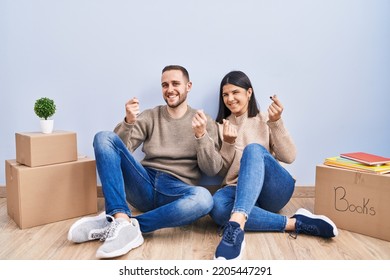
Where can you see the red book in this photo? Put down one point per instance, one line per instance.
(366, 158)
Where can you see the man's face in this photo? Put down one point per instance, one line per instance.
(174, 88)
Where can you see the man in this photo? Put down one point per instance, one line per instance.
(162, 185)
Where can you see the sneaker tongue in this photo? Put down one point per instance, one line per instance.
(121, 220)
(234, 224)
(117, 223)
(231, 232)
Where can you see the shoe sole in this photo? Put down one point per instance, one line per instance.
(307, 213)
(238, 257)
(81, 221)
(134, 244)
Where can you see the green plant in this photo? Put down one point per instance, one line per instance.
(44, 108)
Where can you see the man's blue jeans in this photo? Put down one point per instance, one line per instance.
(264, 187)
(165, 200)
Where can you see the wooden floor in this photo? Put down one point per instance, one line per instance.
(195, 242)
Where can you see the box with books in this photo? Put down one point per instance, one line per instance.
(356, 201)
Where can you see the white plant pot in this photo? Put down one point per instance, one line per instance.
(47, 126)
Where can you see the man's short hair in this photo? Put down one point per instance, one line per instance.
(177, 67)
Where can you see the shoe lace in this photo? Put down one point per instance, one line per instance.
(303, 228)
(229, 233)
(293, 234)
(110, 230)
(97, 235)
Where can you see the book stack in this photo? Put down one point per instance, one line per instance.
(360, 161)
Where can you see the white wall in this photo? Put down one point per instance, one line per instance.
(329, 62)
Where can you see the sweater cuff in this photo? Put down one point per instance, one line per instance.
(277, 127)
(227, 148)
(126, 124)
(204, 140)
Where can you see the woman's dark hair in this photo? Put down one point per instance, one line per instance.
(240, 79)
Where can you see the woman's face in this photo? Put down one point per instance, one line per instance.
(236, 98)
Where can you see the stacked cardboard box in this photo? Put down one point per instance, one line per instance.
(48, 182)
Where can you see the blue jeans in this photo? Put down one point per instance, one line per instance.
(165, 200)
(264, 187)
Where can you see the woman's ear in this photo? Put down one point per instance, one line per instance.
(249, 92)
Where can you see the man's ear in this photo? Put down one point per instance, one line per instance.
(189, 86)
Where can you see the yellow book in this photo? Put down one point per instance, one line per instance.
(357, 166)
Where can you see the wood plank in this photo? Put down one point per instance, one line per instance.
(3, 192)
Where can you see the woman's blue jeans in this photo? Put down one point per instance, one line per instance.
(264, 187)
(165, 200)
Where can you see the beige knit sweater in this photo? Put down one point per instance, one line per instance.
(170, 145)
(272, 135)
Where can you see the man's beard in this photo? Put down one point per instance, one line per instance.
(177, 104)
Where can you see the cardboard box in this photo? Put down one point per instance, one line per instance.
(51, 193)
(38, 149)
(355, 201)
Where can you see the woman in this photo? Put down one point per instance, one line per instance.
(256, 186)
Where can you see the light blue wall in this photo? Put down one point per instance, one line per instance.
(329, 62)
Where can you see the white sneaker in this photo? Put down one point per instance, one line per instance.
(88, 228)
(120, 238)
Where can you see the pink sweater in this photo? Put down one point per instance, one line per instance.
(272, 135)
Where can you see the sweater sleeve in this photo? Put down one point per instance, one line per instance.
(281, 143)
(133, 135)
(227, 151)
(209, 158)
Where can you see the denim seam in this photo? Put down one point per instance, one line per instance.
(285, 223)
(242, 211)
(115, 211)
(139, 173)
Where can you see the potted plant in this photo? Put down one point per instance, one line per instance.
(44, 108)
